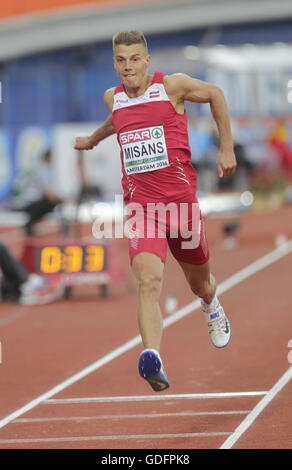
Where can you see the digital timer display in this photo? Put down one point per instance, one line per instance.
(53, 259)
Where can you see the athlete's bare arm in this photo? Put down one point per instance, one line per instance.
(181, 87)
(105, 130)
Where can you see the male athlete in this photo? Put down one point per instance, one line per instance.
(147, 113)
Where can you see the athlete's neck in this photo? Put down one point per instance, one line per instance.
(138, 91)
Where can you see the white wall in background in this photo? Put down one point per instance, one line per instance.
(101, 165)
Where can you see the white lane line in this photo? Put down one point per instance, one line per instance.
(16, 313)
(112, 438)
(235, 279)
(71, 380)
(247, 422)
(181, 396)
(131, 416)
(248, 271)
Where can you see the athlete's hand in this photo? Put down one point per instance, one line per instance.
(226, 163)
(84, 143)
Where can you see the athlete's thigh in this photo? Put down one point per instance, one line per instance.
(147, 236)
(192, 250)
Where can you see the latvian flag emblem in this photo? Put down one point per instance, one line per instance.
(154, 94)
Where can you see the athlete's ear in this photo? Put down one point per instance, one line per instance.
(148, 59)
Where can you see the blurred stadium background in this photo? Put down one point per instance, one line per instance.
(56, 62)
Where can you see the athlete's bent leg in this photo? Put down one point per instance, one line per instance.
(201, 280)
(203, 284)
(148, 270)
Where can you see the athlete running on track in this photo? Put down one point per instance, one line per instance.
(147, 114)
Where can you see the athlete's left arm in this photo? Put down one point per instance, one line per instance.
(186, 88)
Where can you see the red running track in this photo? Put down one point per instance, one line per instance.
(45, 345)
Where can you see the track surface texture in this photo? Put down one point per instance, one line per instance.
(237, 397)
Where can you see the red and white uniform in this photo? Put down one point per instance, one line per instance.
(155, 157)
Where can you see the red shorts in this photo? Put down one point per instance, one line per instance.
(182, 228)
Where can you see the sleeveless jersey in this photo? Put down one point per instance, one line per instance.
(155, 153)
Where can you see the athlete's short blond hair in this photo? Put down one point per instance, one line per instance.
(127, 38)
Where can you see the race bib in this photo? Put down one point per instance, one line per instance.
(144, 150)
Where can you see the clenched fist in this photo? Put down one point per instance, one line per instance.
(84, 143)
(226, 163)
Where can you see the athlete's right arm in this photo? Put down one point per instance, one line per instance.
(105, 130)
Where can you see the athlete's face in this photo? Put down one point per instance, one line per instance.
(131, 63)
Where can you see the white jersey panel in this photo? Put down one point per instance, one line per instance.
(155, 92)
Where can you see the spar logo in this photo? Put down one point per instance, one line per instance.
(135, 136)
(157, 133)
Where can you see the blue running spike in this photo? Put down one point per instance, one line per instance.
(151, 369)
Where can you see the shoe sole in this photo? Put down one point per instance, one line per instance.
(150, 369)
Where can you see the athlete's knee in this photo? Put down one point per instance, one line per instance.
(149, 283)
(148, 270)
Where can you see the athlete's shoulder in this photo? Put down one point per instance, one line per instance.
(174, 84)
(108, 97)
(176, 79)
(179, 85)
(109, 92)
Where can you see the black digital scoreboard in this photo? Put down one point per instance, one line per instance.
(74, 261)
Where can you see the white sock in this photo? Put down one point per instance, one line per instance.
(212, 307)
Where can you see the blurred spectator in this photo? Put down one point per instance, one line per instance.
(279, 141)
(87, 191)
(240, 179)
(42, 192)
(18, 285)
(204, 146)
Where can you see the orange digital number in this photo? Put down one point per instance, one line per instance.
(94, 258)
(72, 259)
(51, 260)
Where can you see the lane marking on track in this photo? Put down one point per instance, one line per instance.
(131, 416)
(16, 313)
(247, 422)
(111, 438)
(181, 396)
(235, 279)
